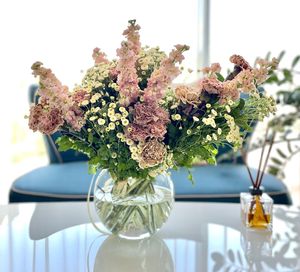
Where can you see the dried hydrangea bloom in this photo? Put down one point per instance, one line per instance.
(149, 121)
(45, 120)
(137, 133)
(188, 95)
(145, 113)
(153, 153)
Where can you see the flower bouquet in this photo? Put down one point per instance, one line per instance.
(134, 125)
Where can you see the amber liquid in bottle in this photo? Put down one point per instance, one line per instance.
(257, 217)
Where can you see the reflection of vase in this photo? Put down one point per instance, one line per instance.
(149, 255)
(133, 208)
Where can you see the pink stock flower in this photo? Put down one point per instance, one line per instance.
(212, 70)
(80, 95)
(230, 91)
(245, 79)
(128, 54)
(50, 86)
(99, 56)
(53, 96)
(211, 85)
(164, 75)
(133, 36)
(188, 95)
(240, 61)
(75, 117)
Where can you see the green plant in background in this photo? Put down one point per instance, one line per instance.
(287, 122)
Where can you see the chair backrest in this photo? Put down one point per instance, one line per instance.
(54, 155)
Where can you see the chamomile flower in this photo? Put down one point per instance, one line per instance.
(101, 121)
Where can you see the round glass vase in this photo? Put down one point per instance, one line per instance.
(133, 208)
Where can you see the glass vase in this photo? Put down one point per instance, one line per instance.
(132, 208)
(257, 209)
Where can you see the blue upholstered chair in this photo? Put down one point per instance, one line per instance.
(66, 178)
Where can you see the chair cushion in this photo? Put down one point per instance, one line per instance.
(70, 181)
(224, 183)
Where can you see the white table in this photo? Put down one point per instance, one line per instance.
(197, 237)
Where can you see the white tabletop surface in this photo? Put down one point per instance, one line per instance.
(197, 237)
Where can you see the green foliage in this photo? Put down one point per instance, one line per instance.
(288, 93)
(220, 77)
(295, 61)
(65, 143)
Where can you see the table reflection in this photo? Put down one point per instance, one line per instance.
(37, 238)
(149, 255)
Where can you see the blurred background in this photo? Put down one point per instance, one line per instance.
(62, 34)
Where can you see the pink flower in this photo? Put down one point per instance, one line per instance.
(137, 133)
(240, 61)
(212, 70)
(164, 75)
(45, 120)
(54, 99)
(157, 130)
(211, 85)
(153, 153)
(127, 75)
(188, 95)
(99, 56)
(149, 121)
(80, 95)
(146, 113)
(75, 118)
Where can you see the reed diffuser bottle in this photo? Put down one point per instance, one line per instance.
(257, 206)
(257, 209)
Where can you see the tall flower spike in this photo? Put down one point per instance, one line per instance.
(53, 96)
(50, 87)
(164, 75)
(99, 56)
(128, 54)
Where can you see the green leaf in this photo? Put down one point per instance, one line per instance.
(295, 61)
(281, 154)
(64, 143)
(288, 75)
(276, 161)
(273, 170)
(289, 146)
(220, 77)
(267, 57)
(190, 177)
(212, 161)
(90, 137)
(282, 53)
(272, 79)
